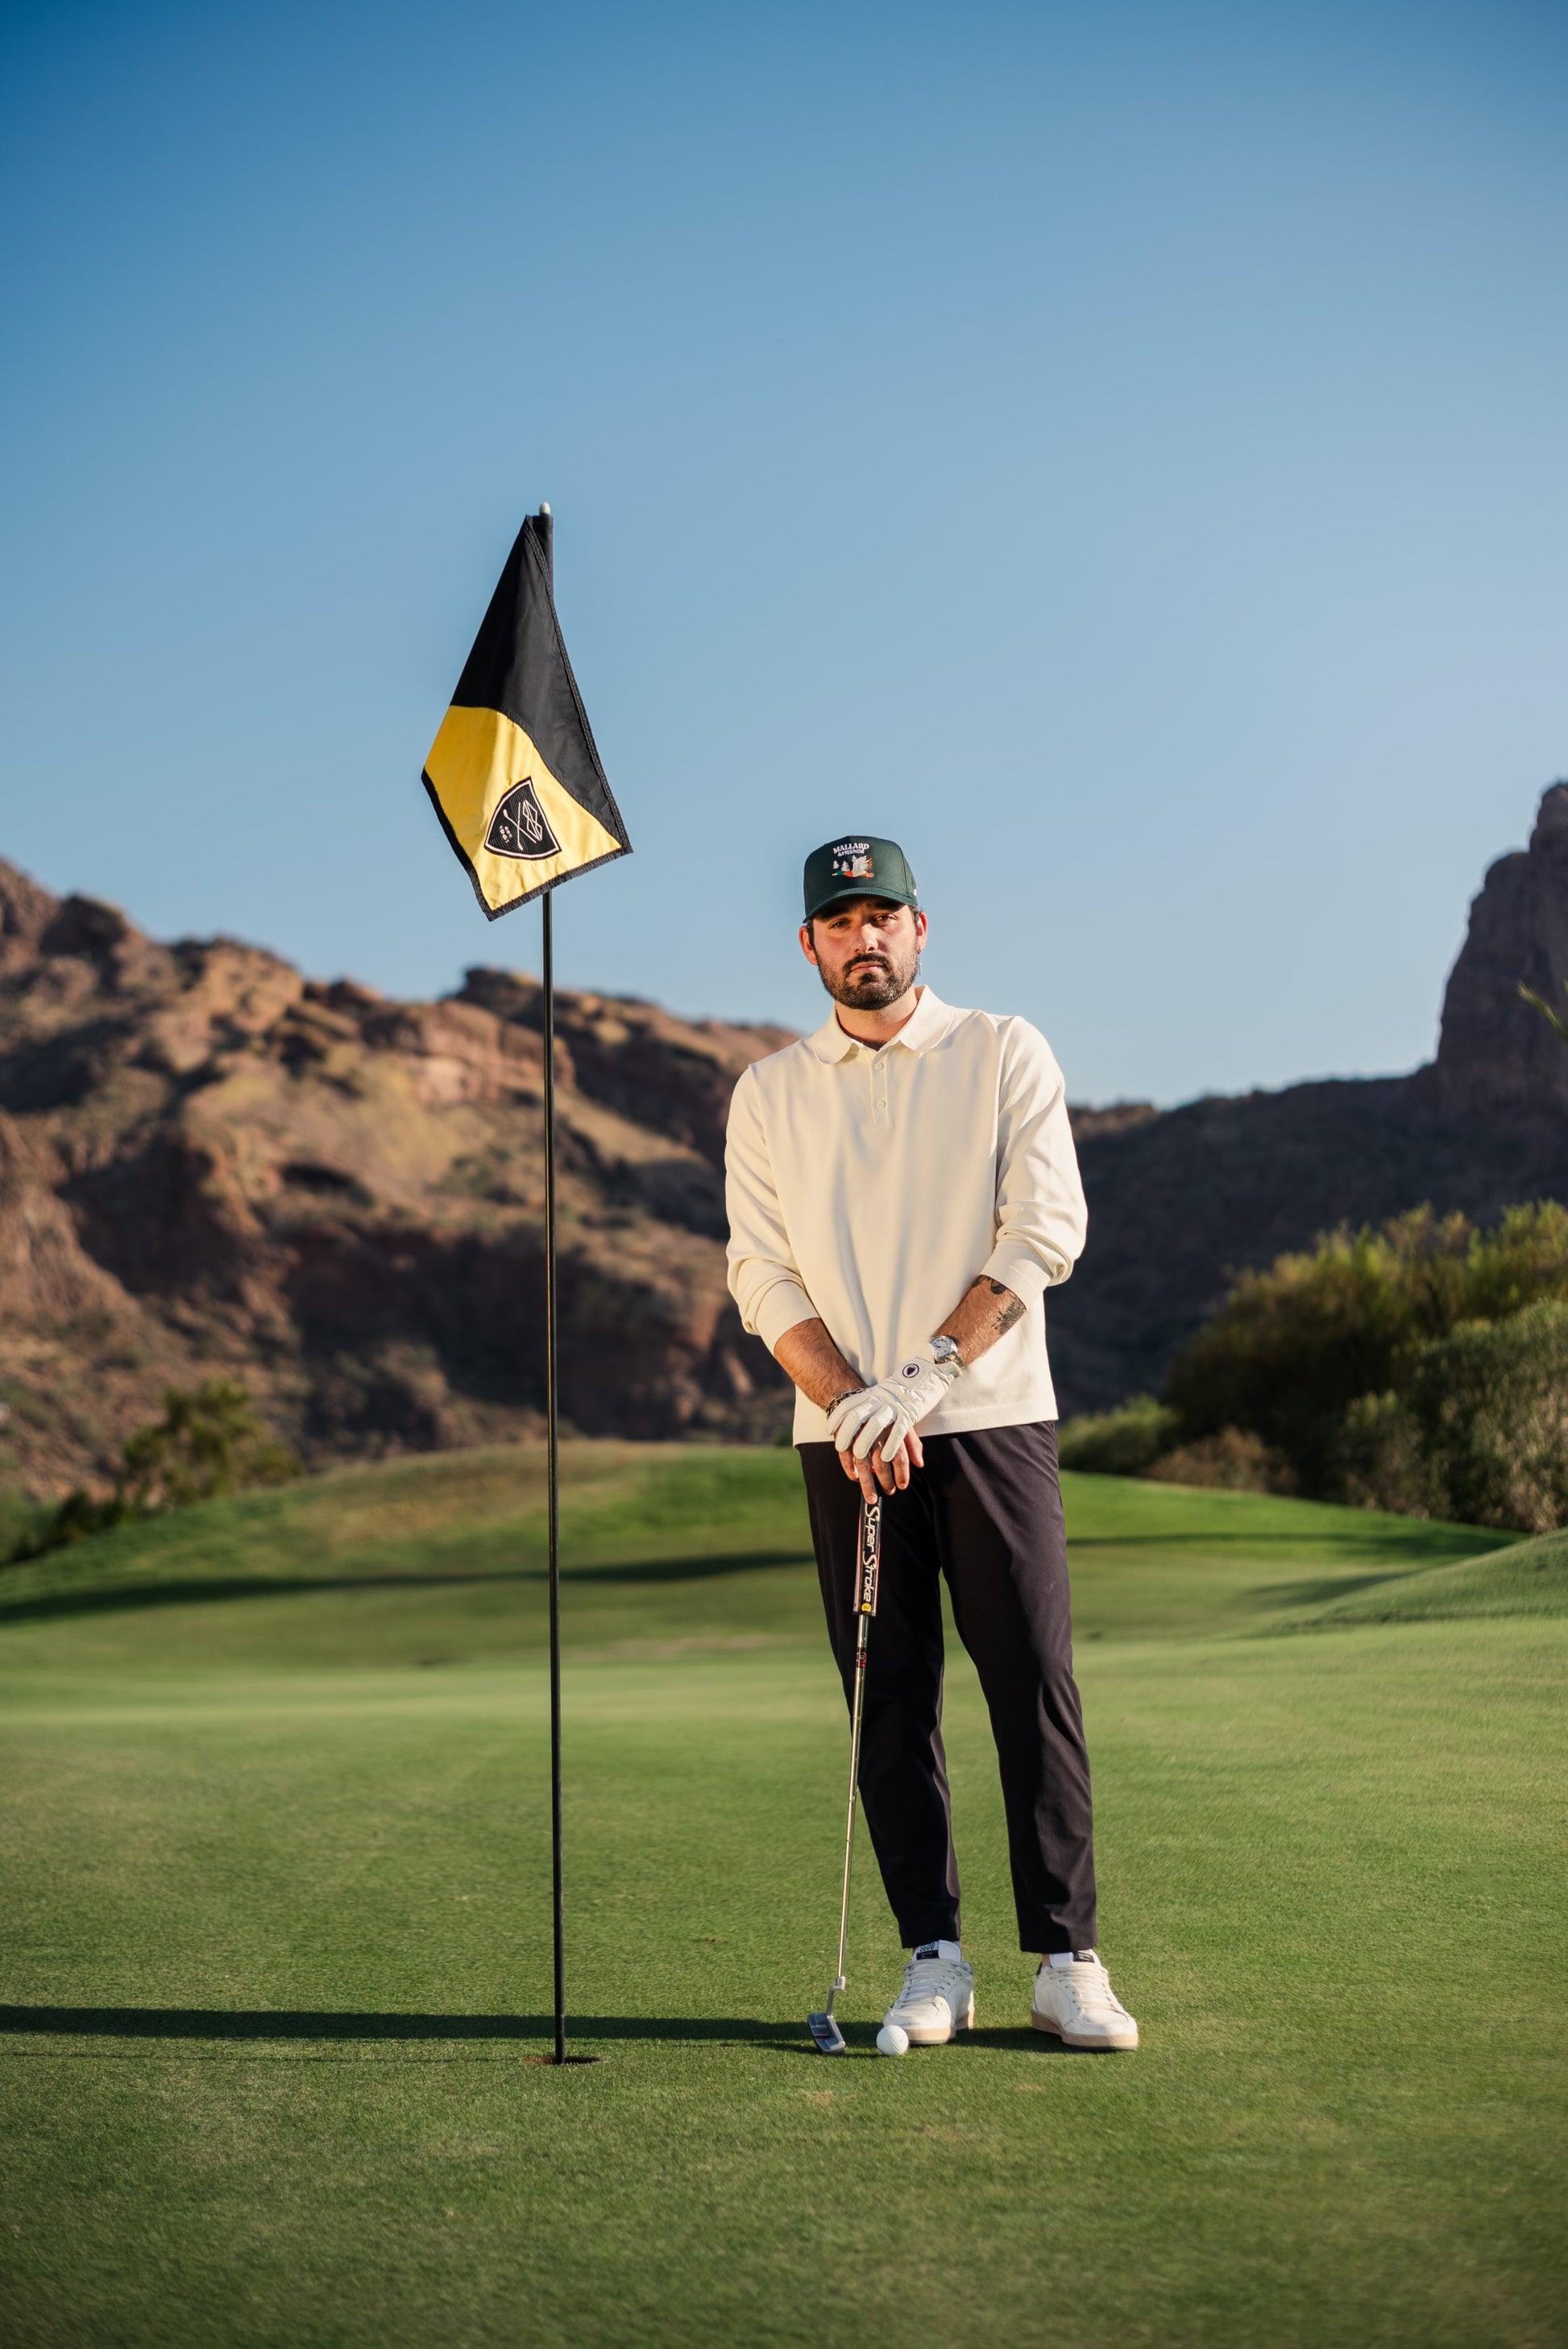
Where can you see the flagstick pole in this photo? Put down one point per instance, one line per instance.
(551, 1416)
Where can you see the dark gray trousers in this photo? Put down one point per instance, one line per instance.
(987, 1512)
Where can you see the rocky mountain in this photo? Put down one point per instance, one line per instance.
(1518, 935)
(1178, 1199)
(211, 1164)
(208, 1163)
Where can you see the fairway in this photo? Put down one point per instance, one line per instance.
(276, 1950)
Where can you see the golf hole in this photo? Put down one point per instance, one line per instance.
(551, 2061)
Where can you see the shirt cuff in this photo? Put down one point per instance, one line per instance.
(1017, 1268)
(783, 1305)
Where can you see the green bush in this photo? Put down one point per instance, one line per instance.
(1122, 1442)
(208, 1443)
(1491, 1404)
(1377, 1461)
(1295, 1347)
(1480, 1436)
(23, 1522)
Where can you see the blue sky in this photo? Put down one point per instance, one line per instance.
(1118, 450)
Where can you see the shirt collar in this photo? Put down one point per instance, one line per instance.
(929, 1021)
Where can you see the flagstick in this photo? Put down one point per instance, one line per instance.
(551, 1416)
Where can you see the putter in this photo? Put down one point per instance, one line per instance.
(822, 2027)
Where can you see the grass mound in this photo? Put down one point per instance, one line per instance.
(1527, 1577)
(454, 1516)
(660, 1543)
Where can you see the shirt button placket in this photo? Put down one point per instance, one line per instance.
(879, 1090)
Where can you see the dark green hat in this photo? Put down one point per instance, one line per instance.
(855, 865)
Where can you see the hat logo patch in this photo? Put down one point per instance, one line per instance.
(852, 861)
(518, 827)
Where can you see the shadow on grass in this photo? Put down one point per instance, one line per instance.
(114, 1598)
(1040, 2042)
(218, 2022)
(1330, 1586)
(1445, 1542)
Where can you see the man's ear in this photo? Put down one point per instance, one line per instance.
(921, 927)
(807, 948)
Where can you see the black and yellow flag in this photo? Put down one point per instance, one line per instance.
(513, 772)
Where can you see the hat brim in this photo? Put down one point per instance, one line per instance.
(859, 889)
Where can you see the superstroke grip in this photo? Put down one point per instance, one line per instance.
(870, 1555)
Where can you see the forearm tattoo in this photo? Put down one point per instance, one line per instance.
(1011, 1310)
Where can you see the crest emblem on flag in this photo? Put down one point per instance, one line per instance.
(517, 827)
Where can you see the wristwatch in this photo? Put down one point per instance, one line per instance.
(945, 1349)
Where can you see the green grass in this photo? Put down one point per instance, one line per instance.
(663, 1545)
(276, 1940)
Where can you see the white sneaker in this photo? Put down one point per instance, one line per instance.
(1077, 2003)
(937, 1998)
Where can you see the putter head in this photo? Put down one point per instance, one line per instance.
(830, 2039)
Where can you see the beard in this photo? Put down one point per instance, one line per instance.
(871, 985)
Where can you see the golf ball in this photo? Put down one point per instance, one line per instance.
(892, 2041)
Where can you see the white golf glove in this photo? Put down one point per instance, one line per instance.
(886, 1412)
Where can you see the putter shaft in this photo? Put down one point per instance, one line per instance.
(823, 2028)
(856, 1703)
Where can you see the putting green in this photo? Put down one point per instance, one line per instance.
(276, 1942)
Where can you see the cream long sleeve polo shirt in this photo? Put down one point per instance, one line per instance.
(871, 1187)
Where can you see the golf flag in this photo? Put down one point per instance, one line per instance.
(514, 773)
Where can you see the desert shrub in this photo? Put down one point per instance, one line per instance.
(1491, 1404)
(1377, 1461)
(1122, 1442)
(209, 1442)
(1293, 1347)
(1235, 1459)
(22, 1524)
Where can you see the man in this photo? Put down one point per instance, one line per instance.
(903, 1190)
